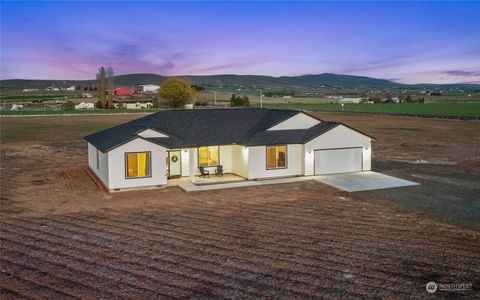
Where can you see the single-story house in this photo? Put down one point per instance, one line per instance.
(350, 100)
(134, 104)
(251, 143)
(147, 88)
(85, 105)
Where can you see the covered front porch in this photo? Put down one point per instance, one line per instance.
(206, 165)
(213, 179)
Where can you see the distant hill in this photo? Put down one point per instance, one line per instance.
(326, 80)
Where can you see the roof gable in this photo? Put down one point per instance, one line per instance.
(299, 121)
(151, 133)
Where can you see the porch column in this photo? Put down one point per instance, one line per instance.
(193, 163)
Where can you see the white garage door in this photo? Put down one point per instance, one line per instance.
(343, 160)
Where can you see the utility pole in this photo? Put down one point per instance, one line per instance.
(261, 98)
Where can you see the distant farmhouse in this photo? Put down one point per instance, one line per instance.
(146, 88)
(350, 100)
(252, 144)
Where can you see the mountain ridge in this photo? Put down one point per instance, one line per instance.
(233, 80)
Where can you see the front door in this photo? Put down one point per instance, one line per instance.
(174, 163)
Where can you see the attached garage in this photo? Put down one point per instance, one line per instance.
(343, 160)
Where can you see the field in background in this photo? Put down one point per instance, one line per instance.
(435, 109)
(449, 109)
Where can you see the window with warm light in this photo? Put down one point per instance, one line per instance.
(208, 156)
(138, 164)
(277, 157)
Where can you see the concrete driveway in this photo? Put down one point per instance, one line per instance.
(363, 181)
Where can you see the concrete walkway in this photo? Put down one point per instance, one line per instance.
(363, 181)
(350, 182)
(190, 187)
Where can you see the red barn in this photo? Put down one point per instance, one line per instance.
(122, 92)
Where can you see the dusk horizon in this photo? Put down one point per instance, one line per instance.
(408, 43)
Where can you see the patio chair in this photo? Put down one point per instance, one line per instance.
(203, 172)
(219, 170)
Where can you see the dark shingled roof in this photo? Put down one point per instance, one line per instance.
(205, 127)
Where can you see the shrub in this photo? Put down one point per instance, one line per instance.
(99, 104)
(239, 101)
(69, 105)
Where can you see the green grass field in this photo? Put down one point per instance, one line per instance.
(31, 129)
(29, 98)
(461, 109)
(451, 109)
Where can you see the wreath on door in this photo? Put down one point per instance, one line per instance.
(174, 158)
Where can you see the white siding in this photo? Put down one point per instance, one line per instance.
(257, 163)
(367, 158)
(102, 171)
(240, 160)
(226, 158)
(299, 121)
(339, 137)
(117, 165)
(309, 156)
(185, 162)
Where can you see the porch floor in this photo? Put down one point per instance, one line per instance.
(213, 179)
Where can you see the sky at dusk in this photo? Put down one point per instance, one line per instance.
(407, 42)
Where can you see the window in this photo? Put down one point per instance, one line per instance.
(138, 164)
(276, 157)
(98, 159)
(208, 156)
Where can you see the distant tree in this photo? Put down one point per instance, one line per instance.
(102, 85)
(408, 99)
(110, 87)
(177, 92)
(198, 87)
(155, 103)
(246, 101)
(421, 100)
(69, 105)
(375, 99)
(99, 104)
(239, 101)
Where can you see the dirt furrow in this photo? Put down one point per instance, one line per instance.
(329, 223)
(114, 281)
(423, 233)
(30, 287)
(332, 272)
(215, 278)
(84, 274)
(368, 248)
(8, 294)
